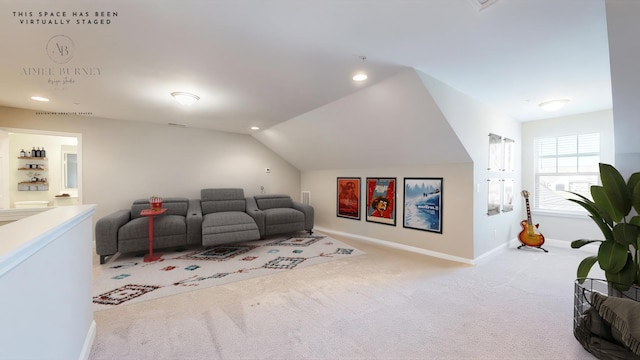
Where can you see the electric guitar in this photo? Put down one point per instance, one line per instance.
(530, 236)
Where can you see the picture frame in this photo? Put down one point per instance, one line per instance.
(348, 197)
(381, 200)
(423, 204)
(493, 197)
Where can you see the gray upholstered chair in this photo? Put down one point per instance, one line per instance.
(127, 231)
(224, 217)
(279, 214)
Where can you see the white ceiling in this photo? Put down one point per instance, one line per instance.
(261, 62)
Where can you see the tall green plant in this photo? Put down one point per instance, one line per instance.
(611, 209)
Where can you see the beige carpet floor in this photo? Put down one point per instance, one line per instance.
(386, 304)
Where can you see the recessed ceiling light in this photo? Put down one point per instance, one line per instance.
(553, 105)
(360, 77)
(255, 128)
(39, 98)
(185, 98)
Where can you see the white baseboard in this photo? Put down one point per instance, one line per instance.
(399, 246)
(88, 342)
(591, 248)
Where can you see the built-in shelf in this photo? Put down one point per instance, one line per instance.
(37, 183)
(33, 186)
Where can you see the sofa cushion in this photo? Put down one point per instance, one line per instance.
(229, 226)
(266, 202)
(163, 225)
(283, 216)
(221, 200)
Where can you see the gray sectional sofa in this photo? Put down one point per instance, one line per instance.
(225, 217)
(127, 231)
(279, 214)
(221, 216)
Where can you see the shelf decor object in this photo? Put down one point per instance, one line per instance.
(156, 202)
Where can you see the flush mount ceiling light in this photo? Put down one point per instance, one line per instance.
(255, 128)
(185, 98)
(553, 105)
(360, 75)
(39, 98)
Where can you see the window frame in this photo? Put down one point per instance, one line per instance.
(590, 177)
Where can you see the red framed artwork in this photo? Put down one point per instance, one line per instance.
(381, 200)
(348, 202)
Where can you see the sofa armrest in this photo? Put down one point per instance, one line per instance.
(258, 215)
(307, 210)
(194, 222)
(107, 231)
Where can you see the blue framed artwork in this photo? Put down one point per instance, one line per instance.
(423, 204)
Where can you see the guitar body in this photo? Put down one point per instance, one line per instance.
(530, 236)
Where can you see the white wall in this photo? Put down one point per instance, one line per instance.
(127, 160)
(624, 54)
(456, 236)
(391, 129)
(552, 225)
(472, 122)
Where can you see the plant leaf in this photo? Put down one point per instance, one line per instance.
(585, 266)
(623, 279)
(601, 198)
(612, 256)
(616, 191)
(634, 187)
(625, 234)
(592, 208)
(576, 244)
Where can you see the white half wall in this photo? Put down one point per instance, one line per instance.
(46, 285)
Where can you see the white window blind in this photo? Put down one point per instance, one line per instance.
(565, 163)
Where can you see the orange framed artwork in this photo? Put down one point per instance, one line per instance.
(348, 201)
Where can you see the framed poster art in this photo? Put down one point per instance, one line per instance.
(509, 154)
(381, 200)
(495, 152)
(493, 197)
(423, 204)
(507, 195)
(348, 198)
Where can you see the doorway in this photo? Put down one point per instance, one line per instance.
(57, 177)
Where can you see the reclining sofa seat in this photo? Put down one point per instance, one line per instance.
(279, 214)
(127, 231)
(224, 217)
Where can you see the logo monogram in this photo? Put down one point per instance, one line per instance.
(60, 49)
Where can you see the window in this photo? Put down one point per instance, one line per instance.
(565, 163)
(69, 170)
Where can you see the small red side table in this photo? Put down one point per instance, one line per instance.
(150, 213)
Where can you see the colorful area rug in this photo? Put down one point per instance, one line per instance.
(128, 279)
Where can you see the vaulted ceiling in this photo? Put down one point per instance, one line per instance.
(259, 63)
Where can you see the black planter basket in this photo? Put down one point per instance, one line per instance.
(594, 336)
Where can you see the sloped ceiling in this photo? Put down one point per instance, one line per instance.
(391, 124)
(256, 62)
